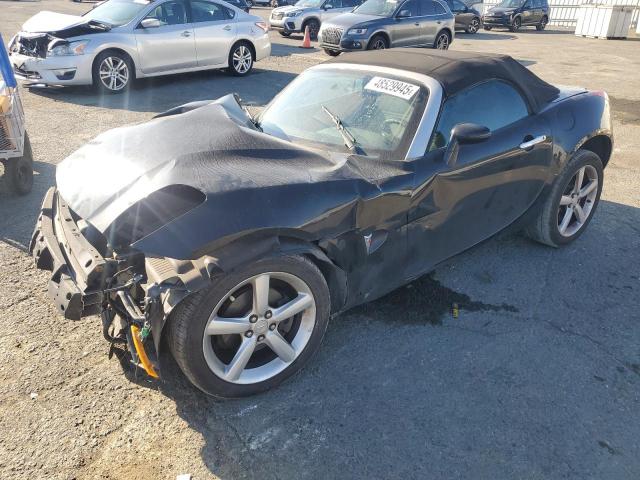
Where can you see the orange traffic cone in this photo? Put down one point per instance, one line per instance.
(306, 43)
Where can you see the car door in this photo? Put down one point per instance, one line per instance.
(461, 12)
(214, 27)
(489, 185)
(169, 46)
(406, 30)
(528, 13)
(432, 14)
(537, 11)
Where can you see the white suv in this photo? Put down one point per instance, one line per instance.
(308, 13)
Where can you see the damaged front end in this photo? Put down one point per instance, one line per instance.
(97, 274)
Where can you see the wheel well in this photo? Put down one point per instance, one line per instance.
(601, 146)
(447, 31)
(304, 24)
(380, 34)
(120, 51)
(249, 44)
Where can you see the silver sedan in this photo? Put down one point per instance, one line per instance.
(120, 40)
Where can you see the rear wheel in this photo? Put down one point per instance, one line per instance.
(252, 329)
(314, 28)
(378, 42)
(113, 72)
(443, 40)
(572, 201)
(515, 26)
(240, 59)
(543, 24)
(19, 171)
(474, 25)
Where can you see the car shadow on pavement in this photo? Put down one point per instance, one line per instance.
(283, 50)
(498, 35)
(402, 385)
(158, 94)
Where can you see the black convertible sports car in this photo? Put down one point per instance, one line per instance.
(238, 237)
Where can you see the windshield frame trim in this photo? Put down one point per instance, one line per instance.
(418, 146)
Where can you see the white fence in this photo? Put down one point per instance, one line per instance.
(564, 13)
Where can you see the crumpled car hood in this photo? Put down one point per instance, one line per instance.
(46, 21)
(202, 148)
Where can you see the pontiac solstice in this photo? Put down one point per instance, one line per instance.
(238, 237)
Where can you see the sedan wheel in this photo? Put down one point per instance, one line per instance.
(442, 42)
(473, 26)
(240, 60)
(113, 73)
(252, 330)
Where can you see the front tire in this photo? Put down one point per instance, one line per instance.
(19, 171)
(474, 25)
(314, 28)
(515, 26)
(285, 33)
(487, 27)
(113, 72)
(331, 53)
(378, 42)
(240, 59)
(572, 201)
(253, 328)
(442, 42)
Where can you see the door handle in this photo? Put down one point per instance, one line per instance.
(186, 33)
(227, 27)
(534, 141)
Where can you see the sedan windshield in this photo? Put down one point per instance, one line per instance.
(333, 109)
(380, 8)
(117, 12)
(511, 3)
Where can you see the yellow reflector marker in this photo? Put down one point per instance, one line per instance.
(142, 355)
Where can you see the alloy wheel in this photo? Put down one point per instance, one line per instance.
(114, 73)
(259, 328)
(242, 59)
(443, 42)
(577, 201)
(474, 26)
(378, 45)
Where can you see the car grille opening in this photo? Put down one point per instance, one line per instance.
(332, 36)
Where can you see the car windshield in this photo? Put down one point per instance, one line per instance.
(309, 3)
(117, 12)
(379, 111)
(511, 3)
(380, 8)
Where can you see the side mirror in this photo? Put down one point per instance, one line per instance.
(328, 7)
(150, 23)
(463, 134)
(404, 14)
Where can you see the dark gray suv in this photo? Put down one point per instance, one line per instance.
(378, 24)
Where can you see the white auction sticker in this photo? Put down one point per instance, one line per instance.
(392, 87)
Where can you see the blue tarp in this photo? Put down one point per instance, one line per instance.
(5, 66)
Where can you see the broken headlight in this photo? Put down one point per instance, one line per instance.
(68, 48)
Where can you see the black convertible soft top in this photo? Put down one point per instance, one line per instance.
(458, 70)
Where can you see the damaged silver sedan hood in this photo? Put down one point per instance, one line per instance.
(47, 21)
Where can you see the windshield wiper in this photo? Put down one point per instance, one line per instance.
(349, 140)
(246, 110)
